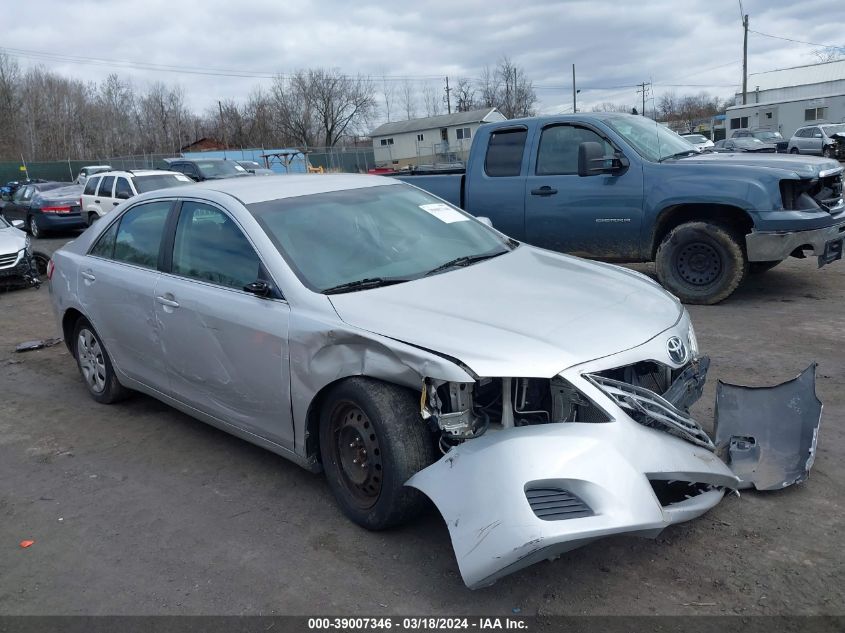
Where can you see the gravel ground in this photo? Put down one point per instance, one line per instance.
(137, 509)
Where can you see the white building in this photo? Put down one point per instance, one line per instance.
(433, 140)
(784, 100)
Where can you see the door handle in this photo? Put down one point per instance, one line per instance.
(543, 191)
(170, 303)
(88, 276)
(114, 204)
(96, 201)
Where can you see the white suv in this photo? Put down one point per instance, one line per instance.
(103, 192)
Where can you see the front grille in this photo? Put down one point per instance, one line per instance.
(650, 409)
(8, 259)
(556, 504)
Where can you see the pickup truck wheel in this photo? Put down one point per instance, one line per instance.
(372, 439)
(756, 268)
(701, 262)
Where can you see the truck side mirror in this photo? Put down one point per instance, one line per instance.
(592, 161)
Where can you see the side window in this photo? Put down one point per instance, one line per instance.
(106, 186)
(104, 246)
(504, 153)
(23, 194)
(91, 186)
(558, 152)
(139, 235)
(209, 246)
(122, 187)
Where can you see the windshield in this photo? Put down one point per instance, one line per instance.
(834, 129)
(160, 181)
(651, 140)
(768, 136)
(695, 138)
(390, 231)
(250, 164)
(220, 168)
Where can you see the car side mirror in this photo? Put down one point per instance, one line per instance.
(592, 161)
(123, 195)
(259, 288)
(18, 224)
(485, 220)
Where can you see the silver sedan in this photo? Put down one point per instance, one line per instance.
(360, 326)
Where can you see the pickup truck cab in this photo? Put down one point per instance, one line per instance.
(623, 188)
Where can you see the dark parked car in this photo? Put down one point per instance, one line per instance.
(51, 206)
(744, 144)
(206, 168)
(767, 136)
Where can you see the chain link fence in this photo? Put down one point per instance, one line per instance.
(331, 159)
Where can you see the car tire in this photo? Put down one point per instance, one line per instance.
(32, 227)
(95, 365)
(92, 217)
(701, 262)
(372, 440)
(758, 268)
(794, 150)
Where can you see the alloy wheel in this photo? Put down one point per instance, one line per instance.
(33, 227)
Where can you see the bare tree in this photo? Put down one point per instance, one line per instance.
(829, 53)
(464, 96)
(431, 100)
(607, 106)
(387, 92)
(408, 99)
(342, 104)
(507, 88)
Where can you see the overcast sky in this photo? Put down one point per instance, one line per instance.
(614, 45)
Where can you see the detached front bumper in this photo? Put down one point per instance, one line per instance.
(771, 246)
(599, 479)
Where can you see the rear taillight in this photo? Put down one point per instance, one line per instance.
(60, 209)
(50, 268)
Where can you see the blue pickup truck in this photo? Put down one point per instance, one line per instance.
(623, 188)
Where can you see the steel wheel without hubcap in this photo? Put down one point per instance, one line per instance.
(698, 263)
(91, 360)
(355, 448)
(33, 228)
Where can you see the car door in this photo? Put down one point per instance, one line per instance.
(17, 208)
(117, 290)
(122, 191)
(226, 349)
(815, 143)
(595, 216)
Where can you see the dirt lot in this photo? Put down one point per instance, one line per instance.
(138, 509)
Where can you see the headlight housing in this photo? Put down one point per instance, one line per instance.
(692, 341)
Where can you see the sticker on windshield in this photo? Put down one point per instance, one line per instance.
(181, 177)
(444, 212)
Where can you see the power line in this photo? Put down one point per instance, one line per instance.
(789, 39)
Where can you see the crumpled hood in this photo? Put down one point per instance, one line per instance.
(12, 240)
(803, 166)
(528, 313)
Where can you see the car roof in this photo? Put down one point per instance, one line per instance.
(129, 173)
(251, 190)
(97, 167)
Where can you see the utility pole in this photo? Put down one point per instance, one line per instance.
(744, 58)
(448, 97)
(222, 126)
(574, 108)
(644, 87)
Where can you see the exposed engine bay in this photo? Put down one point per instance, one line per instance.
(546, 466)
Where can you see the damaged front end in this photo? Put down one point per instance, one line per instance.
(19, 270)
(535, 467)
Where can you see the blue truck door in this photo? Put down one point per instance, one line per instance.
(495, 182)
(593, 216)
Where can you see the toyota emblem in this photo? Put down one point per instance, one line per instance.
(677, 350)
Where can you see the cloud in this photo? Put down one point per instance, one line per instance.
(614, 46)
